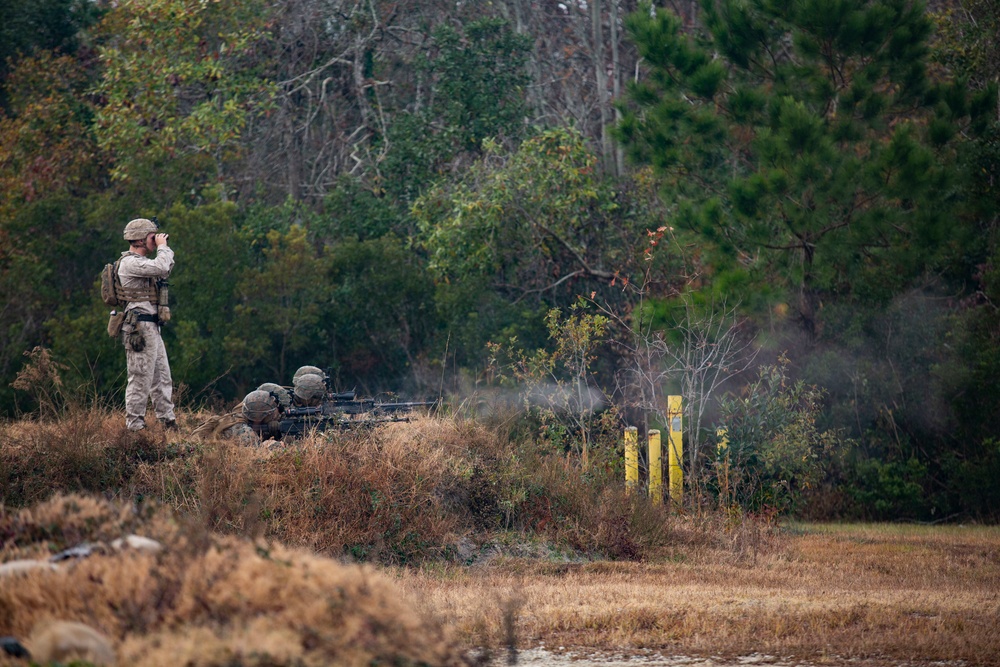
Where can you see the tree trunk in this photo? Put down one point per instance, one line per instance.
(360, 85)
(807, 293)
(616, 84)
(601, 79)
(523, 26)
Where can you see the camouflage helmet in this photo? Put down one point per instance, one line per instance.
(304, 370)
(259, 407)
(280, 393)
(139, 229)
(309, 389)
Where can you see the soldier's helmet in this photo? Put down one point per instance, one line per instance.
(280, 393)
(138, 229)
(259, 407)
(308, 370)
(309, 389)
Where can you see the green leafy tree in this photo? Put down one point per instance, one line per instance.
(178, 80)
(46, 146)
(775, 448)
(480, 78)
(558, 384)
(476, 77)
(968, 46)
(49, 164)
(278, 307)
(805, 141)
(518, 235)
(532, 221)
(524, 232)
(203, 288)
(27, 28)
(353, 211)
(380, 315)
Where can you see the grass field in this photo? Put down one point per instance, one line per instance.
(823, 593)
(252, 572)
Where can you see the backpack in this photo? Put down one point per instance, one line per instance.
(111, 285)
(113, 294)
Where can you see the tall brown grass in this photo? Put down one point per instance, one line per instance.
(85, 450)
(398, 493)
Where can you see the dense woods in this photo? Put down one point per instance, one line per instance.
(786, 211)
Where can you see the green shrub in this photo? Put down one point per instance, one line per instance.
(775, 450)
(890, 490)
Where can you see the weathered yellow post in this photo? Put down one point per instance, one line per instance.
(655, 468)
(723, 445)
(722, 450)
(631, 459)
(675, 449)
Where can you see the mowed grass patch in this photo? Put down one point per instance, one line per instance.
(850, 592)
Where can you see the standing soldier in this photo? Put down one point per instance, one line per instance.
(148, 368)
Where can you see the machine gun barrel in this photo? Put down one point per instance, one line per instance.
(403, 406)
(296, 427)
(338, 403)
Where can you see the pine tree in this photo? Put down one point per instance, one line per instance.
(804, 140)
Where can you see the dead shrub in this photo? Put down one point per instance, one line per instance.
(396, 494)
(753, 535)
(41, 379)
(228, 482)
(527, 487)
(212, 600)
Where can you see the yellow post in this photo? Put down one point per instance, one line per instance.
(723, 455)
(631, 459)
(655, 468)
(675, 449)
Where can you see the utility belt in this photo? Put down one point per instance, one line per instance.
(134, 338)
(119, 318)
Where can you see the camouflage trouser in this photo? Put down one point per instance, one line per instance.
(148, 377)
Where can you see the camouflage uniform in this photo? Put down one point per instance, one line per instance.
(148, 370)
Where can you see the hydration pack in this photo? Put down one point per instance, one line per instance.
(109, 281)
(113, 294)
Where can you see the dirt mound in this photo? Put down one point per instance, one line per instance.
(205, 599)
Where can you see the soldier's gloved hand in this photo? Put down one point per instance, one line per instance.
(161, 239)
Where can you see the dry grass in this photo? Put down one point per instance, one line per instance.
(399, 493)
(208, 600)
(412, 494)
(834, 593)
(820, 593)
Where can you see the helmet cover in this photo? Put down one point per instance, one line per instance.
(278, 392)
(260, 407)
(314, 370)
(139, 229)
(309, 389)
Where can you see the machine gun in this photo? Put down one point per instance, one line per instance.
(347, 403)
(337, 411)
